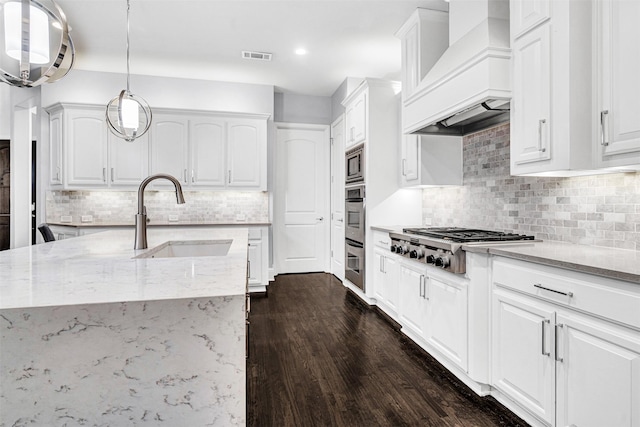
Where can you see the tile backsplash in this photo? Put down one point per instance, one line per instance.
(601, 210)
(119, 207)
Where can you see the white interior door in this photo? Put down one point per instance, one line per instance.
(337, 197)
(301, 198)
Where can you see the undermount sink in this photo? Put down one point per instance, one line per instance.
(188, 248)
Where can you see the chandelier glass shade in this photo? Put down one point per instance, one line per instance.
(128, 115)
(35, 45)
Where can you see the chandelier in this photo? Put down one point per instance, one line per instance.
(35, 46)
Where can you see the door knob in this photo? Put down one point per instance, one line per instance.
(320, 219)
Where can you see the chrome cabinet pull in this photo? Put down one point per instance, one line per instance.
(404, 167)
(603, 116)
(422, 287)
(112, 175)
(229, 176)
(544, 353)
(539, 286)
(558, 359)
(381, 268)
(185, 176)
(104, 174)
(193, 179)
(541, 122)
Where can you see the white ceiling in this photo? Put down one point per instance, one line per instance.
(203, 39)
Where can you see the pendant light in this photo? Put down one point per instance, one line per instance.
(35, 45)
(128, 115)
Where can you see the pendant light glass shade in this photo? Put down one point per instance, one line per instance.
(128, 115)
(35, 45)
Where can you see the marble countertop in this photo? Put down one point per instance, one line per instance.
(99, 268)
(613, 263)
(162, 223)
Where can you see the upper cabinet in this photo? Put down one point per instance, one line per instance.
(204, 150)
(211, 151)
(617, 104)
(551, 69)
(356, 119)
(424, 38)
(83, 154)
(431, 160)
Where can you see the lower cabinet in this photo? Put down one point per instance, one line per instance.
(258, 257)
(558, 363)
(385, 281)
(412, 310)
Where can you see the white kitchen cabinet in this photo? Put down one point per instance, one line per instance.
(566, 345)
(523, 366)
(246, 154)
(598, 373)
(385, 281)
(550, 110)
(424, 37)
(258, 257)
(356, 117)
(617, 104)
(170, 147)
(412, 298)
(430, 160)
(210, 150)
(526, 14)
(84, 154)
(207, 160)
(55, 148)
(446, 327)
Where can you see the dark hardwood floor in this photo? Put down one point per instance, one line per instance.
(318, 357)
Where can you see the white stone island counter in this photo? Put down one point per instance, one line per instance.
(91, 336)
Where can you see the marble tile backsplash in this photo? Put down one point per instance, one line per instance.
(119, 207)
(601, 210)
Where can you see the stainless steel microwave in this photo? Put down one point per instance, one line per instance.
(354, 165)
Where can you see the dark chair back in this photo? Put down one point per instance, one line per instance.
(46, 232)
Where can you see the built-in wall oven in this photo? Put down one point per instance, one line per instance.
(354, 165)
(355, 234)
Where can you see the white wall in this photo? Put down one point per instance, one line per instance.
(292, 108)
(90, 87)
(5, 111)
(348, 85)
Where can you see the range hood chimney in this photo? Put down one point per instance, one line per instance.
(469, 87)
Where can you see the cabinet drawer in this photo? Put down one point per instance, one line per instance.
(611, 299)
(381, 239)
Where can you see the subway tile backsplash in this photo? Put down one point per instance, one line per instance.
(601, 210)
(119, 207)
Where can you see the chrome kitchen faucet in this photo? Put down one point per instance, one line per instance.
(141, 216)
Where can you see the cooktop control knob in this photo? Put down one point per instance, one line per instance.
(394, 248)
(416, 253)
(442, 261)
(431, 259)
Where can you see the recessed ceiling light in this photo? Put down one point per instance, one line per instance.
(301, 51)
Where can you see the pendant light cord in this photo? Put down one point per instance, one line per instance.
(128, 74)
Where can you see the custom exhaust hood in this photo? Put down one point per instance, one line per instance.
(469, 87)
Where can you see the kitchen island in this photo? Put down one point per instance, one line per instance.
(91, 336)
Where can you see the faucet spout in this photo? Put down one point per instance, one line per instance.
(141, 216)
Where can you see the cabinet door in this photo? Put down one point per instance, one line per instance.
(619, 83)
(410, 167)
(356, 119)
(530, 113)
(411, 57)
(169, 148)
(522, 358)
(255, 262)
(86, 135)
(55, 148)
(391, 289)
(207, 138)
(526, 14)
(128, 161)
(245, 147)
(378, 275)
(598, 375)
(446, 323)
(412, 309)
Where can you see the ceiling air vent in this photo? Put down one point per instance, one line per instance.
(258, 56)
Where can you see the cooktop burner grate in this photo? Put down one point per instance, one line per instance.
(462, 235)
